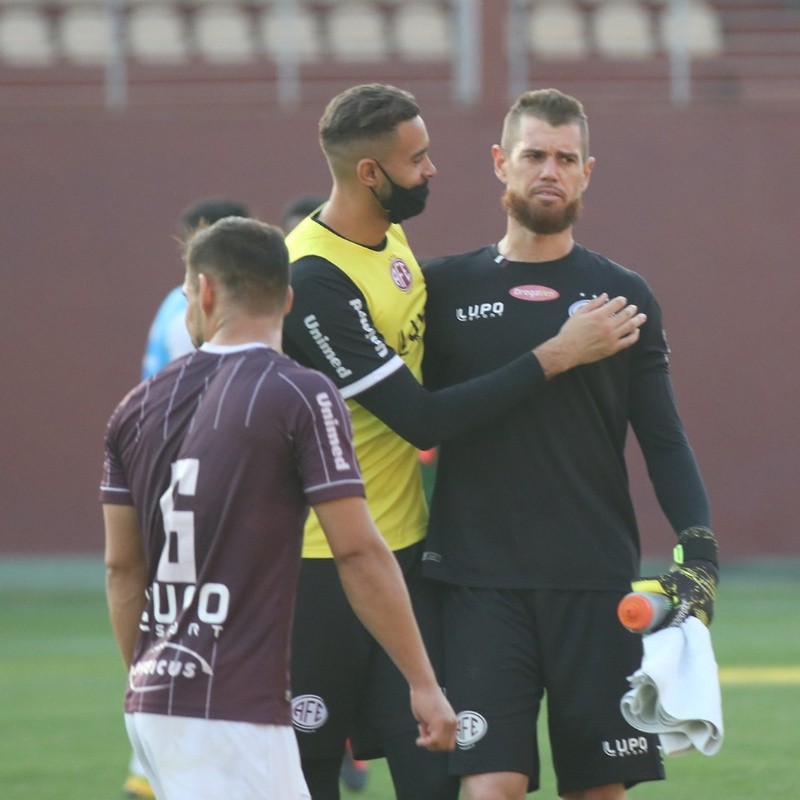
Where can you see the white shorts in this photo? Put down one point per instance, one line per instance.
(186, 758)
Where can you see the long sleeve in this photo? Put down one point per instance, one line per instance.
(670, 460)
(426, 418)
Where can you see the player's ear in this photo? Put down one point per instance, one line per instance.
(587, 170)
(206, 292)
(287, 306)
(499, 162)
(368, 172)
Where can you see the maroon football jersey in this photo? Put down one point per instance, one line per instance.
(221, 454)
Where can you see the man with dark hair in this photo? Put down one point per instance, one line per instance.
(209, 470)
(296, 210)
(168, 337)
(208, 211)
(532, 533)
(359, 316)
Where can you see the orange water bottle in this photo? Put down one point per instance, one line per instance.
(641, 612)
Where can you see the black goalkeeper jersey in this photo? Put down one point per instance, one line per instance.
(539, 496)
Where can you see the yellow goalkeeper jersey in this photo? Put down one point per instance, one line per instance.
(358, 316)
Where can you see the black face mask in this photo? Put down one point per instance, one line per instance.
(403, 203)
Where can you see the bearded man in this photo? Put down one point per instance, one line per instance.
(532, 531)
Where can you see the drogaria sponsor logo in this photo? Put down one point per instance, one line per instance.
(309, 712)
(533, 293)
(624, 748)
(322, 341)
(480, 311)
(401, 274)
(182, 663)
(471, 728)
(370, 333)
(332, 431)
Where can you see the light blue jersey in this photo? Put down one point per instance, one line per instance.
(168, 337)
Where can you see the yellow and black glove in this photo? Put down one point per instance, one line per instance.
(691, 582)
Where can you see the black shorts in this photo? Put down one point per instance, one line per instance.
(505, 649)
(343, 683)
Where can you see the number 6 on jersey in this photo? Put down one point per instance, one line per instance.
(177, 564)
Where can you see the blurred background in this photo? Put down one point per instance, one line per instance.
(115, 115)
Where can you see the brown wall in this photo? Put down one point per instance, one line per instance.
(703, 203)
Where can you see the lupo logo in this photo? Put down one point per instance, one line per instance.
(480, 311)
(623, 748)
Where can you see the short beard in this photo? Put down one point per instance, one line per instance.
(544, 221)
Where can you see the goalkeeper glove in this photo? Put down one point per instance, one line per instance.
(691, 582)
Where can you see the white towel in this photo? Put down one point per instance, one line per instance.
(676, 692)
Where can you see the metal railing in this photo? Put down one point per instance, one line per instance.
(758, 54)
(676, 45)
(465, 59)
(679, 51)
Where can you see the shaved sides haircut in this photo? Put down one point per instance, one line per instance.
(363, 114)
(550, 105)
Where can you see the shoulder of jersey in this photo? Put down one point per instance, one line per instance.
(397, 231)
(606, 263)
(295, 370)
(444, 262)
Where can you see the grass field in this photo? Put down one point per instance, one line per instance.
(61, 684)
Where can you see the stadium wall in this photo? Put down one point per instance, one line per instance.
(703, 202)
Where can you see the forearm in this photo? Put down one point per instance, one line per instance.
(426, 418)
(126, 575)
(377, 592)
(375, 588)
(679, 487)
(125, 593)
(671, 463)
